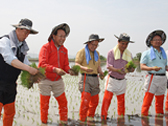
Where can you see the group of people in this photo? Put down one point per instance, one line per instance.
(53, 57)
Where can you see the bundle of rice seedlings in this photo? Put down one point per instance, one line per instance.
(75, 69)
(129, 66)
(135, 63)
(104, 74)
(27, 79)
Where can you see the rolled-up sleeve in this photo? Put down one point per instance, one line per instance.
(6, 51)
(26, 61)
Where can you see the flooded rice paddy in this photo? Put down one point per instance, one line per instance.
(28, 107)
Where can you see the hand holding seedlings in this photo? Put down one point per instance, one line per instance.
(27, 79)
(74, 70)
(88, 69)
(59, 71)
(120, 71)
(130, 67)
(156, 68)
(103, 75)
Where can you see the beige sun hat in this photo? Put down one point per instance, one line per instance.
(26, 24)
(63, 26)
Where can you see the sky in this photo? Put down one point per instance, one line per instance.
(85, 17)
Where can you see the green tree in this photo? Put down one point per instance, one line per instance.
(102, 58)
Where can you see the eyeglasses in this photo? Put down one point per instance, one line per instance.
(94, 45)
(61, 36)
(157, 40)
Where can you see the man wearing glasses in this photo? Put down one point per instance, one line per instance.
(89, 61)
(154, 61)
(53, 57)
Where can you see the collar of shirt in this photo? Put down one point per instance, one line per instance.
(156, 51)
(19, 43)
(57, 47)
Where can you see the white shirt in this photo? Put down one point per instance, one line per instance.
(8, 52)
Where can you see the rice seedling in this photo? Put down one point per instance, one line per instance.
(73, 116)
(27, 118)
(27, 79)
(104, 74)
(129, 66)
(23, 115)
(38, 124)
(75, 69)
(15, 122)
(32, 120)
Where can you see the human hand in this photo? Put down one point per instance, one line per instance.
(155, 68)
(71, 72)
(32, 70)
(121, 71)
(101, 75)
(131, 70)
(38, 77)
(87, 69)
(59, 71)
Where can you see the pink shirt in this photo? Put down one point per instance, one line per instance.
(119, 63)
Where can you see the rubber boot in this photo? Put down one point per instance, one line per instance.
(1, 105)
(9, 112)
(166, 103)
(94, 100)
(85, 100)
(105, 104)
(121, 104)
(63, 109)
(159, 100)
(44, 106)
(146, 103)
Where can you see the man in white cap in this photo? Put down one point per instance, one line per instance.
(117, 58)
(89, 61)
(53, 57)
(13, 50)
(154, 61)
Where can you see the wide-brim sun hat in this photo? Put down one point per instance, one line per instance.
(124, 37)
(62, 26)
(160, 33)
(26, 24)
(94, 37)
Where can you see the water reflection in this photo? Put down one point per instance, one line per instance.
(120, 121)
(158, 121)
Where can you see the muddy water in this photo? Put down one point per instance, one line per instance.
(28, 109)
